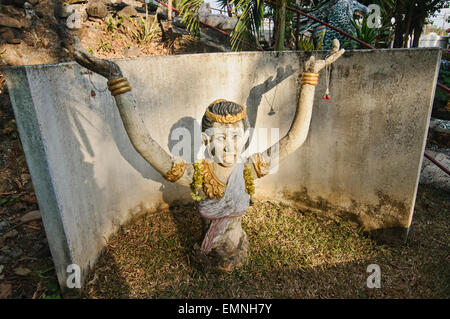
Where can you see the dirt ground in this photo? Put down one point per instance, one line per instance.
(294, 254)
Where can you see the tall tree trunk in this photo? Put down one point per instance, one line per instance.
(417, 33)
(281, 25)
(229, 9)
(409, 20)
(419, 21)
(399, 24)
(169, 13)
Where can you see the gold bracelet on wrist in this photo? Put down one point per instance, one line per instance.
(310, 78)
(119, 86)
(177, 170)
(261, 168)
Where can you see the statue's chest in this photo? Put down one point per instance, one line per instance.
(213, 187)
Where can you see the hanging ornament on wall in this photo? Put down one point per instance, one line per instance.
(327, 95)
(94, 89)
(272, 111)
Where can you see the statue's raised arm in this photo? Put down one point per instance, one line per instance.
(298, 131)
(173, 169)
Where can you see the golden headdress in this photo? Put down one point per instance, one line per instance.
(227, 119)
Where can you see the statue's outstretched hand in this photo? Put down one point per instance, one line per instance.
(314, 66)
(106, 68)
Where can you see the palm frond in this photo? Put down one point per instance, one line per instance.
(191, 14)
(222, 3)
(248, 27)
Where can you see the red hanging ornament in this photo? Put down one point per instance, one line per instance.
(327, 95)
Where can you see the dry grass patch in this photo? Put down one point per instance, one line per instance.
(293, 254)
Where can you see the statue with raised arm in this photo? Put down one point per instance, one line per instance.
(222, 183)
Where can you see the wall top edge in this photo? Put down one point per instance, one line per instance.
(12, 69)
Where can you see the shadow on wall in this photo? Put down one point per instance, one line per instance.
(256, 93)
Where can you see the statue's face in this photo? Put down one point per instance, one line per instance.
(225, 142)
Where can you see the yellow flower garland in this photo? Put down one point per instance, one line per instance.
(197, 181)
(248, 177)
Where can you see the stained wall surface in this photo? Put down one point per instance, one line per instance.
(361, 159)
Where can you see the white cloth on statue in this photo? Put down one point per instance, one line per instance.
(234, 203)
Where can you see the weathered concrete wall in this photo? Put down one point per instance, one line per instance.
(361, 159)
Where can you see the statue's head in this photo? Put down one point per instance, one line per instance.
(225, 130)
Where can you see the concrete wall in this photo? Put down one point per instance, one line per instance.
(361, 159)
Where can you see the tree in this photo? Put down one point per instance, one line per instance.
(409, 15)
(250, 14)
(280, 22)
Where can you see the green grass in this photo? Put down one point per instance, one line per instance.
(293, 254)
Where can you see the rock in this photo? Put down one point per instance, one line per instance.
(76, 15)
(16, 3)
(22, 271)
(11, 252)
(4, 185)
(71, 9)
(163, 206)
(205, 9)
(129, 11)
(163, 12)
(36, 248)
(30, 216)
(65, 11)
(177, 22)
(433, 175)
(29, 198)
(4, 225)
(6, 21)
(97, 9)
(4, 259)
(74, 1)
(29, 11)
(131, 52)
(11, 57)
(6, 34)
(215, 20)
(133, 3)
(5, 290)
(44, 252)
(230, 24)
(25, 177)
(11, 10)
(1, 268)
(10, 234)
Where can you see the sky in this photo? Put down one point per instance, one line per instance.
(439, 19)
